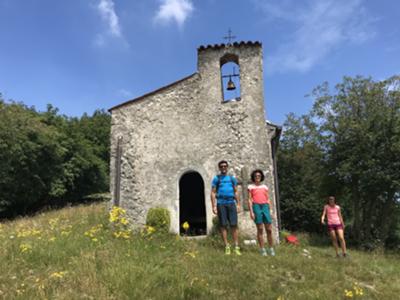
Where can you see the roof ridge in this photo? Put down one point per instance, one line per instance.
(153, 92)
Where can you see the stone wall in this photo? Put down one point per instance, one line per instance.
(186, 127)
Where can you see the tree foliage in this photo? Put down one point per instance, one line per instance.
(300, 158)
(353, 150)
(49, 159)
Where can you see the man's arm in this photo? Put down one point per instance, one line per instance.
(213, 202)
(237, 197)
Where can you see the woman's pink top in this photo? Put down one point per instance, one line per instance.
(259, 193)
(332, 213)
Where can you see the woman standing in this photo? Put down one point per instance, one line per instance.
(335, 224)
(259, 206)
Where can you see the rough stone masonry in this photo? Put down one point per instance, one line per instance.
(186, 127)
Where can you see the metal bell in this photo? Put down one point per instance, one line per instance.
(231, 86)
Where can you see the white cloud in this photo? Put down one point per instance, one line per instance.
(321, 26)
(108, 14)
(174, 10)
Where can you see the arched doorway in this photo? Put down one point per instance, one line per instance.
(192, 207)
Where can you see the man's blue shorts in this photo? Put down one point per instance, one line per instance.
(227, 214)
(262, 214)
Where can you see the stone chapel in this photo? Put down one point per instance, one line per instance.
(165, 145)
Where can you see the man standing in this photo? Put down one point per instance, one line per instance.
(225, 203)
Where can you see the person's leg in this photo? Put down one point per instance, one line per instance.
(342, 242)
(232, 219)
(260, 236)
(224, 235)
(334, 241)
(268, 227)
(223, 221)
(235, 235)
(268, 230)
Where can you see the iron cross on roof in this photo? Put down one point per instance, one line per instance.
(230, 37)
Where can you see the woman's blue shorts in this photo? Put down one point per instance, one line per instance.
(262, 214)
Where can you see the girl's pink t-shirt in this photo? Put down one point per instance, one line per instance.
(332, 213)
(259, 193)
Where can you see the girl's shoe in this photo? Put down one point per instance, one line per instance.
(227, 250)
(263, 252)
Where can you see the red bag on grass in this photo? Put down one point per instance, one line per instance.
(292, 239)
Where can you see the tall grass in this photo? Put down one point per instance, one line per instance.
(74, 254)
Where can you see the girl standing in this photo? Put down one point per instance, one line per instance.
(335, 224)
(259, 206)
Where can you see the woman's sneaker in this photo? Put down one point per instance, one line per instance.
(263, 252)
(271, 251)
(227, 249)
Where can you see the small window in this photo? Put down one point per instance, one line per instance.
(230, 78)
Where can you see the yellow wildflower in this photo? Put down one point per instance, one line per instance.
(191, 254)
(25, 248)
(116, 213)
(124, 221)
(122, 234)
(150, 229)
(348, 294)
(185, 226)
(53, 223)
(58, 274)
(126, 234)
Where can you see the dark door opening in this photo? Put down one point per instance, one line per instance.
(192, 207)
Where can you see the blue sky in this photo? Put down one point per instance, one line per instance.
(81, 55)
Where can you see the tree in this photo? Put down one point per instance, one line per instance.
(30, 159)
(360, 126)
(300, 158)
(48, 159)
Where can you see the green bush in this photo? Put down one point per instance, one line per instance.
(159, 218)
(284, 233)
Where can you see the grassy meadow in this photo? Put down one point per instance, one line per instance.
(76, 253)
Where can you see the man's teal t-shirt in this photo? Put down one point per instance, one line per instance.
(225, 192)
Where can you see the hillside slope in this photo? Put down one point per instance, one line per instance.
(75, 253)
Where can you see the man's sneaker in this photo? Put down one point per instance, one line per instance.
(237, 250)
(272, 251)
(227, 250)
(263, 252)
